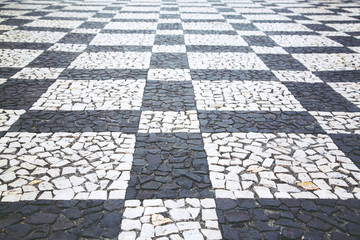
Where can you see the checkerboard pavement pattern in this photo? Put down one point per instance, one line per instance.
(179, 119)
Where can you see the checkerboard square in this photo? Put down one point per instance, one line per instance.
(242, 96)
(169, 60)
(179, 96)
(17, 58)
(263, 41)
(169, 26)
(282, 62)
(223, 60)
(61, 172)
(176, 167)
(216, 40)
(106, 39)
(67, 95)
(101, 60)
(320, 97)
(169, 40)
(31, 36)
(77, 38)
(54, 59)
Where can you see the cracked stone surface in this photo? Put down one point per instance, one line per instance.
(179, 120)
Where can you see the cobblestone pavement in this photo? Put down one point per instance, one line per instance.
(180, 119)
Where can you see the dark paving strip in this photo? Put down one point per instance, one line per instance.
(169, 26)
(93, 25)
(117, 48)
(54, 59)
(237, 16)
(320, 27)
(225, 10)
(21, 94)
(104, 15)
(64, 18)
(304, 33)
(215, 32)
(263, 41)
(24, 45)
(204, 20)
(133, 20)
(289, 219)
(209, 48)
(244, 26)
(325, 50)
(46, 29)
(320, 97)
(169, 40)
(170, 16)
(65, 219)
(234, 75)
(6, 72)
(349, 144)
(297, 18)
(103, 74)
(114, 31)
(169, 166)
(38, 121)
(339, 76)
(169, 60)
(168, 96)
(77, 38)
(15, 22)
(282, 62)
(258, 121)
(346, 41)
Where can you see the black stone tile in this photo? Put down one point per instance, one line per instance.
(36, 13)
(225, 10)
(56, 219)
(169, 40)
(282, 62)
(46, 29)
(244, 27)
(259, 219)
(54, 59)
(77, 38)
(297, 18)
(320, 97)
(257, 121)
(326, 50)
(6, 72)
(112, 8)
(104, 15)
(217, 48)
(206, 32)
(115, 31)
(118, 48)
(103, 74)
(168, 96)
(204, 20)
(130, 21)
(175, 9)
(78, 121)
(304, 33)
(23, 45)
(238, 16)
(169, 166)
(349, 144)
(339, 76)
(320, 27)
(93, 25)
(169, 60)
(234, 75)
(170, 16)
(263, 41)
(64, 18)
(169, 26)
(21, 94)
(15, 22)
(346, 41)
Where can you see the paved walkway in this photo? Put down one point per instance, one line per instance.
(187, 119)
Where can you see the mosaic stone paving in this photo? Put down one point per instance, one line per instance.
(179, 119)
